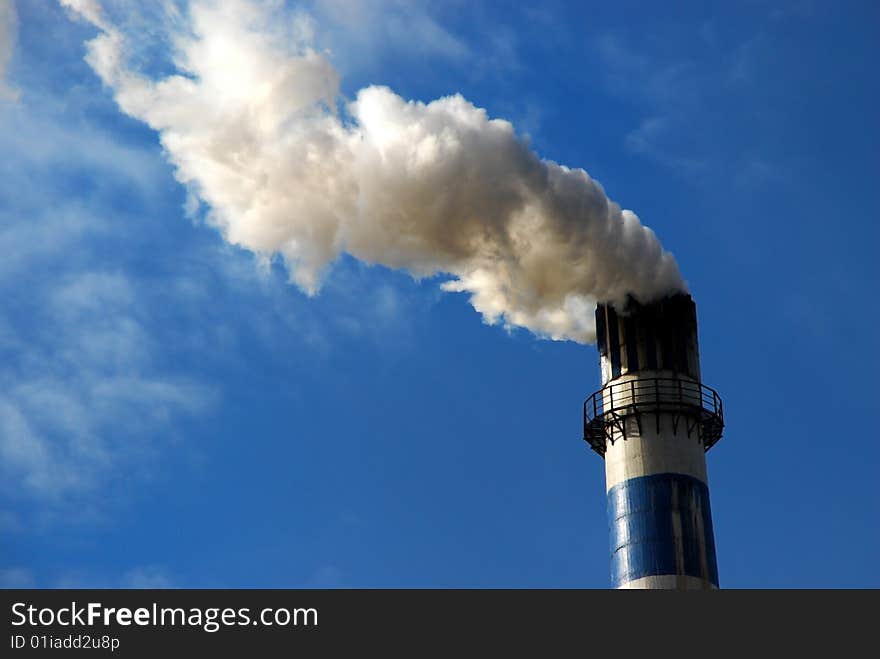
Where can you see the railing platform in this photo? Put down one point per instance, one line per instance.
(694, 405)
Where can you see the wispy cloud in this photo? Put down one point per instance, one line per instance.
(682, 96)
(8, 36)
(141, 576)
(630, 71)
(91, 390)
(651, 138)
(372, 27)
(81, 398)
(757, 170)
(16, 577)
(84, 392)
(668, 90)
(362, 35)
(327, 576)
(147, 576)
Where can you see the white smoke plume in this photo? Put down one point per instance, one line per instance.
(254, 124)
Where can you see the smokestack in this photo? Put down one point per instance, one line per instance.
(652, 421)
(252, 119)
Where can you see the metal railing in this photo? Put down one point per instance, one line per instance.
(691, 403)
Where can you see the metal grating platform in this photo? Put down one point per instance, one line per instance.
(695, 406)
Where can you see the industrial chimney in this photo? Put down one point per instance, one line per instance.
(652, 421)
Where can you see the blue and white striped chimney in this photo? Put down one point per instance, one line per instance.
(653, 420)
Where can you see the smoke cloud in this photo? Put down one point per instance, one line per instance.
(254, 124)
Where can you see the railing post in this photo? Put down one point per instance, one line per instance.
(586, 402)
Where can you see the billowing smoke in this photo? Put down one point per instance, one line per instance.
(253, 121)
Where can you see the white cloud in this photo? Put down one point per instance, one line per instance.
(81, 401)
(143, 576)
(28, 244)
(27, 458)
(326, 576)
(16, 577)
(82, 398)
(89, 398)
(51, 139)
(8, 36)
(91, 395)
(146, 577)
(681, 97)
(365, 28)
(654, 137)
(90, 10)
(641, 139)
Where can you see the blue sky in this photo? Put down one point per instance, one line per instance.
(174, 412)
